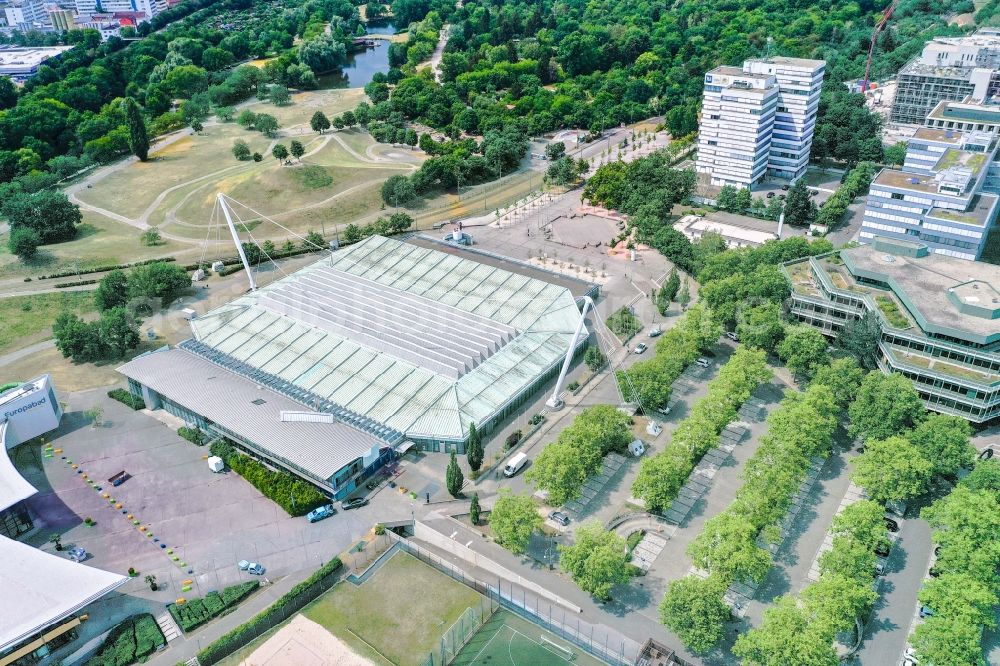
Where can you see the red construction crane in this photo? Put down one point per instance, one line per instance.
(879, 27)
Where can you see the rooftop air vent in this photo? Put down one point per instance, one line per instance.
(914, 181)
(888, 258)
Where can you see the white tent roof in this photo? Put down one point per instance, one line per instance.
(38, 589)
(13, 487)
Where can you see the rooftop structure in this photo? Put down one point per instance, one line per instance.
(948, 69)
(20, 64)
(940, 317)
(739, 232)
(397, 341)
(943, 198)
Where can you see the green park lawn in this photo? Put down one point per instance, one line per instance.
(27, 319)
(402, 611)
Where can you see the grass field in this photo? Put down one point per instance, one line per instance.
(28, 319)
(401, 611)
(508, 640)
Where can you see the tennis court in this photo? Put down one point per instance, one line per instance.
(508, 640)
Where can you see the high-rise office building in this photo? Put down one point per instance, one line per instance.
(87, 8)
(948, 69)
(759, 120)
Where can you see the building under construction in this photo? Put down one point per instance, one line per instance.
(381, 346)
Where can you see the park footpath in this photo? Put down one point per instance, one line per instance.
(186, 646)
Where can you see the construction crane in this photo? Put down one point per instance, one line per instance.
(879, 27)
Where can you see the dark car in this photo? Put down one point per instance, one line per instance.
(882, 550)
(770, 195)
(934, 572)
(937, 551)
(784, 187)
(559, 517)
(986, 454)
(891, 525)
(355, 503)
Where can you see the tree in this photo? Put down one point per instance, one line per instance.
(197, 127)
(474, 449)
(319, 122)
(349, 119)
(835, 603)
(595, 560)
(555, 150)
(241, 150)
(727, 545)
(661, 476)
(280, 152)
(668, 292)
(896, 153)
(266, 124)
(138, 140)
(842, 376)
(398, 190)
(562, 468)
(885, 405)
(957, 594)
(279, 95)
(150, 237)
(803, 350)
(685, 296)
(594, 358)
(860, 338)
(49, 213)
(322, 54)
(158, 280)
(863, 521)
(891, 470)
(984, 476)
(257, 157)
(453, 478)
(247, 119)
(151, 581)
(513, 520)
(112, 292)
(799, 208)
(8, 93)
(224, 113)
(474, 510)
(947, 640)
(694, 610)
(726, 200)
(761, 326)
(944, 441)
(24, 243)
(297, 149)
(786, 636)
(118, 332)
(313, 241)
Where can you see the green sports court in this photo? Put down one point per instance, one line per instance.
(508, 640)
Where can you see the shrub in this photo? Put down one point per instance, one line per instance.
(193, 435)
(197, 612)
(295, 496)
(279, 611)
(624, 324)
(572, 386)
(126, 398)
(129, 641)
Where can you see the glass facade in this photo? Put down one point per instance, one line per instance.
(15, 521)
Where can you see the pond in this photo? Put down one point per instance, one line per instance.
(362, 65)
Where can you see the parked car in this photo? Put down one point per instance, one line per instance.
(559, 517)
(883, 550)
(655, 332)
(732, 336)
(321, 512)
(891, 525)
(514, 465)
(665, 410)
(702, 362)
(77, 554)
(937, 551)
(640, 348)
(934, 572)
(910, 657)
(925, 611)
(986, 454)
(254, 568)
(784, 187)
(770, 195)
(879, 569)
(355, 503)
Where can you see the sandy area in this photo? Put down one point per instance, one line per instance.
(302, 642)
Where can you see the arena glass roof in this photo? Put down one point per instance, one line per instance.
(419, 340)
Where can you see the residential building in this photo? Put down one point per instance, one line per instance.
(800, 82)
(939, 317)
(948, 69)
(737, 119)
(61, 19)
(758, 120)
(940, 198)
(385, 345)
(150, 8)
(27, 15)
(21, 63)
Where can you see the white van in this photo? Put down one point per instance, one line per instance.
(515, 464)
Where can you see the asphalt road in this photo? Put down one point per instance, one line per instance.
(887, 631)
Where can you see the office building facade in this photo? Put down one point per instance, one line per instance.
(758, 120)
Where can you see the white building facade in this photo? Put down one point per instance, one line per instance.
(87, 8)
(758, 121)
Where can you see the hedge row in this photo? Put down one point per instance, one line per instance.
(78, 283)
(295, 496)
(129, 641)
(196, 612)
(282, 609)
(728, 547)
(651, 382)
(126, 398)
(233, 264)
(193, 435)
(856, 182)
(102, 269)
(661, 476)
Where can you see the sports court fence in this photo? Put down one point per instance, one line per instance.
(598, 640)
(462, 631)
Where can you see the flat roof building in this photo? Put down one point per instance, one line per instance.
(948, 69)
(939, 316)
(382, 343)
(21, 63)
